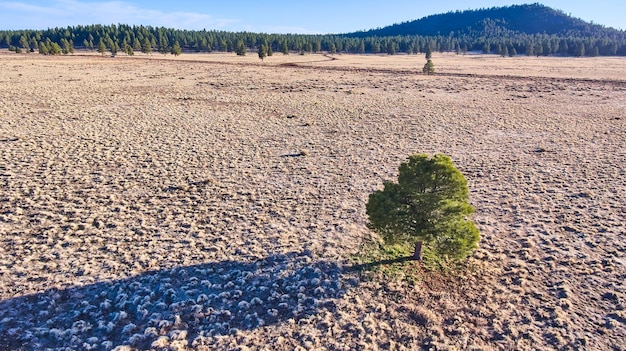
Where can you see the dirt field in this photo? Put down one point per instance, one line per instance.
(214, 201)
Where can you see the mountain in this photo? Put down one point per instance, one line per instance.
(496, 21)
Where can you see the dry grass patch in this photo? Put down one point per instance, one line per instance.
(138, 193)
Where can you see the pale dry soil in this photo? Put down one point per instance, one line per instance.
(214, 202)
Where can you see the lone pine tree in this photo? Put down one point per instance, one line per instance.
(429, 67)
(427, 207)
(262, 51)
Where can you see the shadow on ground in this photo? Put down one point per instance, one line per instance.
(183, 303)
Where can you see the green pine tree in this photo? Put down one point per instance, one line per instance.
(146, 46)
(43, 49)
(284, 48)
(262, 52)
(429, 67)
(241, 48)
(427, 207)
(136, 45)
(101, 47)
(176, 49)
(54, 49)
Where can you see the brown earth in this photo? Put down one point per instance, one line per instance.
(214, 201)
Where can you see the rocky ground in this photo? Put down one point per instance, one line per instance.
(215, 202)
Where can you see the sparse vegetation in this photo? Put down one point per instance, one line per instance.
(186, 219)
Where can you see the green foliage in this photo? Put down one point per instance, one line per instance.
(429, 52)
(164, 44)
(101, 47)
(241, 49)
(262, 52)
(54, 49)
(43, 48)
(146, 46)
(136, 45)
(66, 47)
(176, 49)
(525, 28)
(333, 49)
(429, 67)
(284, 48)
(428, 204)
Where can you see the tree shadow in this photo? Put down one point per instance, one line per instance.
(209, 299)
(370, 265)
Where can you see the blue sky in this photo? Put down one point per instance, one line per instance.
(305, 17)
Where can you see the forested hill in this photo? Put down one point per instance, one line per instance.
(506, 31)
(496, 21)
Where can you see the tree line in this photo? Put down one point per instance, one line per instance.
(147, 39)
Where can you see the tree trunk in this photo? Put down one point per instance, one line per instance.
(417, 254)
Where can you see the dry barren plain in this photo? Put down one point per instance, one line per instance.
(214, 202)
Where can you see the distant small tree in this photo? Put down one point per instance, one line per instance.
(486, 48)
(54, 49)
(102, 48)
(427, 207)
(538, 49)
(262, 52)
(429, 52)
(505, 51)
(176, 49)
(43, 48)
(65, 46)
(429, 67)
(24, 42)
(317, 46)
(580, 50)
(146, 46)
(375, 47)
(164, 44)
(241, 48)
(223, 45)
(284, 48)
(391, 47)
(33, 44)
(136, 45)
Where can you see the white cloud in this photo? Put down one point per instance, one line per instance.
(61, 13)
